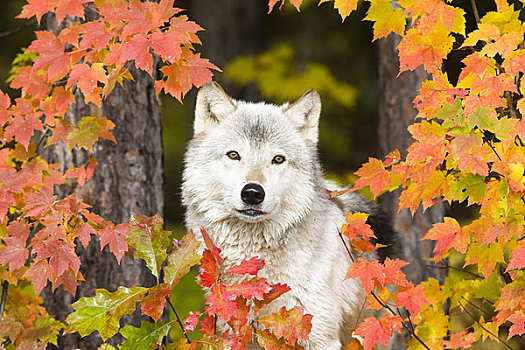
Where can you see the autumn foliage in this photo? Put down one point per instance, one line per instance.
(468, 146)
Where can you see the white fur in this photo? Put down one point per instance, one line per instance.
(298, 234)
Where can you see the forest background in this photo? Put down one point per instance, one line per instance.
(294, 54)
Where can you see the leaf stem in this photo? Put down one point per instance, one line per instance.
(475, 10)
(486, 330)
(178, 320)
(5, 285)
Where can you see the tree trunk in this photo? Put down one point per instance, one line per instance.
(127, 181)
(396, 113)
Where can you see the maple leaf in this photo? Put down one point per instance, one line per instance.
(51, 55)
(374, 332)
(250, 267)
(518, 324)
(448, 235)
(250, 288)
(102, 312)
(179, 78)
(220, 302)
(87, 78)
(149, 240)
(137, 48)
(290, 324)
(270, 342)
(344, 7)
(460, 340)
(517, 260)
(209, 267)
(386, 19)
(154, 302)
(486, 256)
(393, 272)
(190, 323)
(31, 83)
(38, 272)
(412, 298)
(276, 291)
(70, 7)
(82, 174)
(181, 258)
(146, 336)
(374, 175)
(166, 45)
(89, 130)
(357, 226)
(14, 253)
(96, 34)
(22, 126)
(37, 8)
(115, 237)
(5, 103)
(371, 273)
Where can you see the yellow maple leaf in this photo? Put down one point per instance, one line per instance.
(386, 18)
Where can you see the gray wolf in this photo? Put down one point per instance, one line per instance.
(253, 180)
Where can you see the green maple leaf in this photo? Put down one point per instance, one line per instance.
(147, 336)
(89, 130)
(102, 312)
(181, 258)
(150, 241)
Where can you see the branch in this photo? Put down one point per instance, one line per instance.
(447, 266)
(486, 330)
(475, 10)
(178, 320)
(18, 29)
(5, 285)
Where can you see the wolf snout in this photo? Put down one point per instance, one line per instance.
(252, 194)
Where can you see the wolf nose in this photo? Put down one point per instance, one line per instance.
(252, 194)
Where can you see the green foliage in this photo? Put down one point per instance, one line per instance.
(279, 79)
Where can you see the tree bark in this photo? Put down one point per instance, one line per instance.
(396, 113)
(127, 181)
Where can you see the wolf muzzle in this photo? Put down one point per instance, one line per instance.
(252, 194)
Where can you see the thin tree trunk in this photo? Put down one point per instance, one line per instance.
(127, 181)
(396, 113)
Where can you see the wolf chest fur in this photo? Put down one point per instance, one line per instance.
(253, 180)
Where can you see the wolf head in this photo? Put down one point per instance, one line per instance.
(254, 163)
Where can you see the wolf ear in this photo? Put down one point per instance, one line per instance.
(212, 106)
(304, 113)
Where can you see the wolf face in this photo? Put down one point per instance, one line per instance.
(255, 156)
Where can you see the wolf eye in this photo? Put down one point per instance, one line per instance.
(233, 155)
(278, 159)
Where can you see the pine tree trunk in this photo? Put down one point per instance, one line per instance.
(396, 113)
(127, 181)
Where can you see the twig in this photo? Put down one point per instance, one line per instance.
(447, 266)
(475, 306)
(5, 285)
(486, 330)
(178, 320)
(475, 10)
(18, 29)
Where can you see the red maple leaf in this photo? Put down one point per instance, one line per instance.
(373, 174)
(62, 256)
(31, 83)
(87, 78)
(154, 302)
(71, 8)
(276, 291)
(37, 8)
(165, 45)
(290, 324)
(412, 298)
(250, 288)
(378, 332)
(96, 34)
(447, 235)
(179, 78)
(220, 302)
(250, 267)
(51, 55)
(518, 324)
(371, 273)
(18, 228)
(393, 272)
(5, 103)
(460, 340)
(14, 253)
(115, 236)
(40, 272)
(517, 261)
(137, 50)
(22, 126)
(190, 323)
